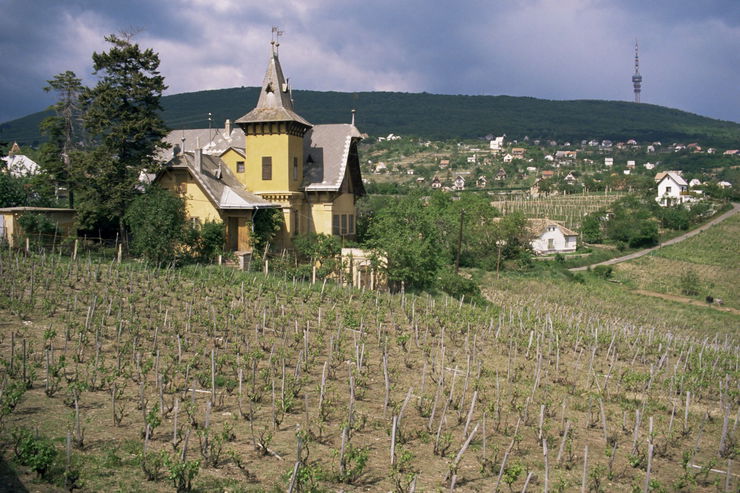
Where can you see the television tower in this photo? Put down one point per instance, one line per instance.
(636, 77)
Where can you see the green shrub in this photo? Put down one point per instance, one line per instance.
(157, 223)
(689, 283)
(457, 286)
(603, 271)
(33, 223)
(33, 451)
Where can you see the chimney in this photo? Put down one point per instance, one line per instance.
(198, 156)
(227, 128)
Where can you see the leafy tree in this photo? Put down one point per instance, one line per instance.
(157, 221)
(406, 234)
(12, 191)
(591, 228)
(317, 246)
(267, 223)
(676, 217)
(63, 128)
(122, 114)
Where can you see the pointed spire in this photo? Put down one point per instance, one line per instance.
(275, 103)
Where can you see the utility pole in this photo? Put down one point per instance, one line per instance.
(459, 241)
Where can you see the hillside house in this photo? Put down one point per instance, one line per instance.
(277, 160)
(649, 166)
(500, 175)
(497, 144)
(724, 184)
(444, 164)
(549, 158)
(547, 174)
(695, 182)
(518, 152)
(570, 179)
(508, 158)
(609, 161)
(630, 164)
(459, 183)
(481, 182)
(436, 183)
(731, 152)
(566, 155)
(672, 189)
(19, 165)
(549, 236)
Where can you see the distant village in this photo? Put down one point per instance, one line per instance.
(537, 167)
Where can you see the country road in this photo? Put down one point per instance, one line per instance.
(677, 239)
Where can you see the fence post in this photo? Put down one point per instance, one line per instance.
(120, 252)
(74, 254)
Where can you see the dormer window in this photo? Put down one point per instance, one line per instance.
(268, 87)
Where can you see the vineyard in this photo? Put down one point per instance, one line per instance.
(709, 260)
(567, 209)
(120, 377)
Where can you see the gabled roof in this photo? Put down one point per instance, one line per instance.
(225, 192)
(214, 141)
(673, 175)
(537, 226)
(275, 103)
(327, 156)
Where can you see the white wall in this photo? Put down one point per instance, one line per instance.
(561, 243)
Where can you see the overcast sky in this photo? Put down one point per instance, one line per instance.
(553, 49)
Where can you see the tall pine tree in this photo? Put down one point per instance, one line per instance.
(63, 129)
(123, 116)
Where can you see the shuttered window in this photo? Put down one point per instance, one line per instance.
(267, 167)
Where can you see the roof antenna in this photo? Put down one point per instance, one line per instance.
(353, 116)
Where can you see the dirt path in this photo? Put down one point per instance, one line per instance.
(677, 239)
(688, 301)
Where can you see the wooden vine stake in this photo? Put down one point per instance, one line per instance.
(458, 458)
(584, 479)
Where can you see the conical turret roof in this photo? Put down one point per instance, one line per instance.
(275, 103)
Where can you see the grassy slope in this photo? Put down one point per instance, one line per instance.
(445, 116)
(713, 255)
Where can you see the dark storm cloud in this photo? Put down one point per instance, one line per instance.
(557, 49)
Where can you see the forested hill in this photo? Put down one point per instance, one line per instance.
(443, 116)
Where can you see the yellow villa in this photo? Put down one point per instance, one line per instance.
(270, 158)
